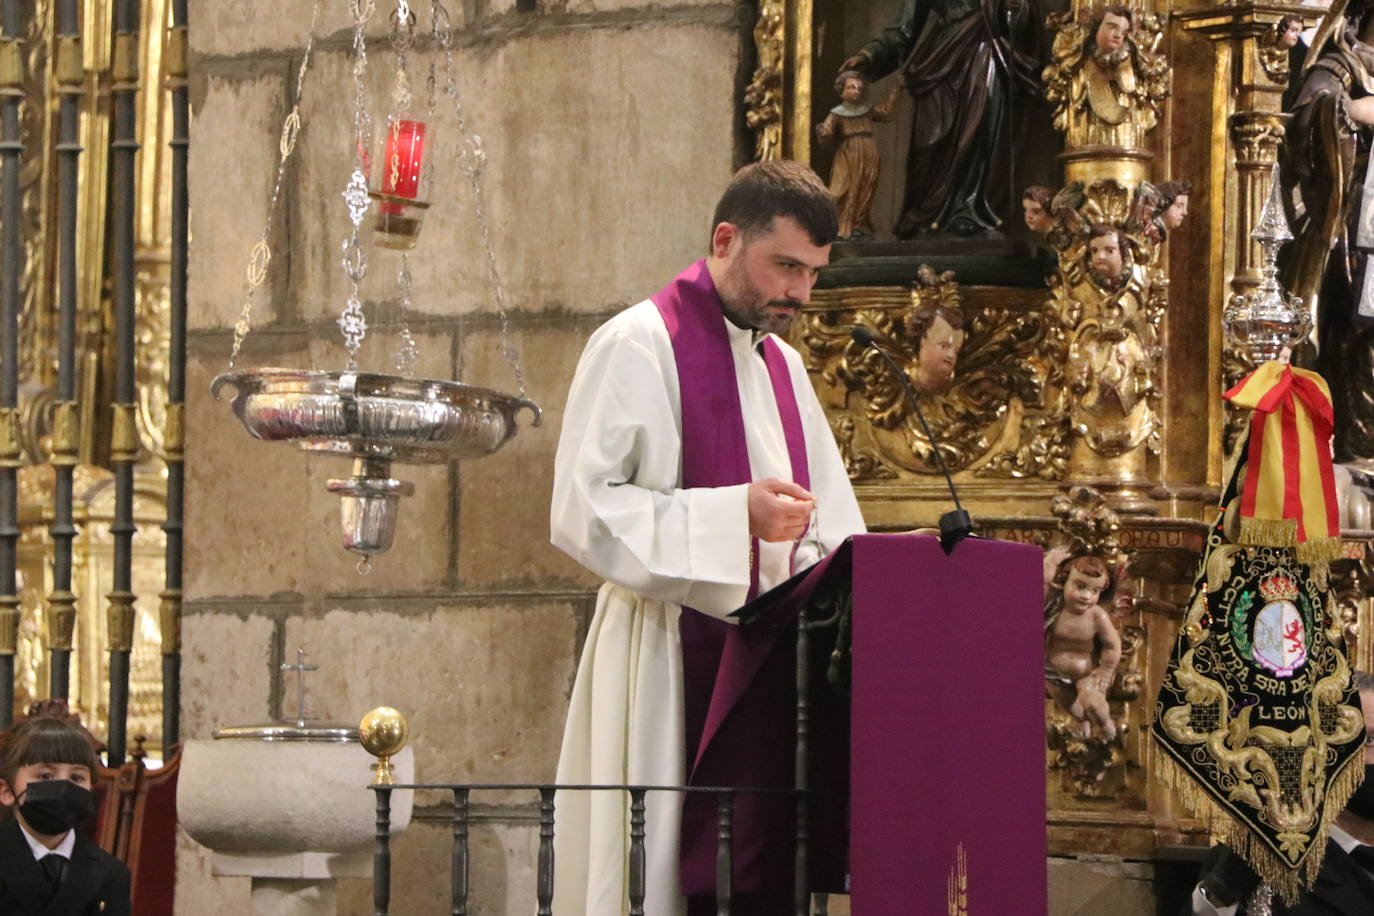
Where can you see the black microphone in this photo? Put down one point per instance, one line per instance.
(955, 525)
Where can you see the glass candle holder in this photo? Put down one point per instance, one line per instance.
(402, 189)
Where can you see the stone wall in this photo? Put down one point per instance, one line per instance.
(611, 128)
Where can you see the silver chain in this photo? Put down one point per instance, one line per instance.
(261, 255)
(471, 161)
(402, 40)
(352, 322)
(406, 350)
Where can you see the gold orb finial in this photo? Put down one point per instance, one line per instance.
(383, 733)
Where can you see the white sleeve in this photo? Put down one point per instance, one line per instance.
(837, 508)
(616, 506)
(1201, 906)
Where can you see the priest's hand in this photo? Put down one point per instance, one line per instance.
(779, 510)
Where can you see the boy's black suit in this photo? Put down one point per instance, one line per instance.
(95, 883)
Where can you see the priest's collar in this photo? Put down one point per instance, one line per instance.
(743, 338)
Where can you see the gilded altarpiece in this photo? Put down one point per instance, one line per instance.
(93, 491)
(1194, 95)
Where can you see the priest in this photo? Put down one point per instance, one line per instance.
(695, 470)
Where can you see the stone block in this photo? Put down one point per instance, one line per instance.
(233, 160)
(503, 533)
(228, 29)
(483, 685)
(599, 186)
(219, 649)
(260, 519)
(645, 8)
(245, 499)
(1080, 887)
(503, 865)
(198, 891)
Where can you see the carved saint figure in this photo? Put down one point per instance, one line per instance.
(937, 335)
(854, 172)
(1082, 645)
(1323, 163)
(961, 60)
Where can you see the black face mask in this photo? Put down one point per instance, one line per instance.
(54, 806)
(1361, 802)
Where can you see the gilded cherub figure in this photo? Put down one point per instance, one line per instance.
(1107, 79)
(1082, 645)
(854, 171)
(937, 334)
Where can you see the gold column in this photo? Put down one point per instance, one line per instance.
(1250, 74)
(1106, 103)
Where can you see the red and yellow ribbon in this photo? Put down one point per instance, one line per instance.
(1289, 496)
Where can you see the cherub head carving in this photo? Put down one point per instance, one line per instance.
(1036, 202)
(1174, 203)
(1286, 32)
(1109, 257)
(1109, 35)
(937, 335)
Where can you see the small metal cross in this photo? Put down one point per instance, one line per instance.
(300, 667)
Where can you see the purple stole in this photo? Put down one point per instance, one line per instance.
(729, 743)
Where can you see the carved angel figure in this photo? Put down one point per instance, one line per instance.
(1107, 79)
(1082, 645)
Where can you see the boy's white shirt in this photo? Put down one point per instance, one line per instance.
(64, 848)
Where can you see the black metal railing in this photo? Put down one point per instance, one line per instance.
(829, 607)
(636, 873)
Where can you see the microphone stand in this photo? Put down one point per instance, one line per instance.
(956, 524)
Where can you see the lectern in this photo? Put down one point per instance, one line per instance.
(944, 753)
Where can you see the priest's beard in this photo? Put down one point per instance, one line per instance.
(745, 305)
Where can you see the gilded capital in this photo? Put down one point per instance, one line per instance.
(66, 440)
(120, 619)
(69, 71)
(125, 66)
(10, 451)
(174, 433)
(124, 441)
(9, 624)
(1256, 136)
(61, 620)
(11, 67)
(175, 61)
(169, 616)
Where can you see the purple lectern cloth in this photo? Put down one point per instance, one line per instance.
(718, 663)
(948, 743)
(755, 747)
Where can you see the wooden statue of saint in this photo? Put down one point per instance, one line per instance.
(1324, 167)
(854, 170)
(961, 60)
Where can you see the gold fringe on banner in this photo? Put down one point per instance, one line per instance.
(1319, 551)
(1268, 532)
(1287, 881)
